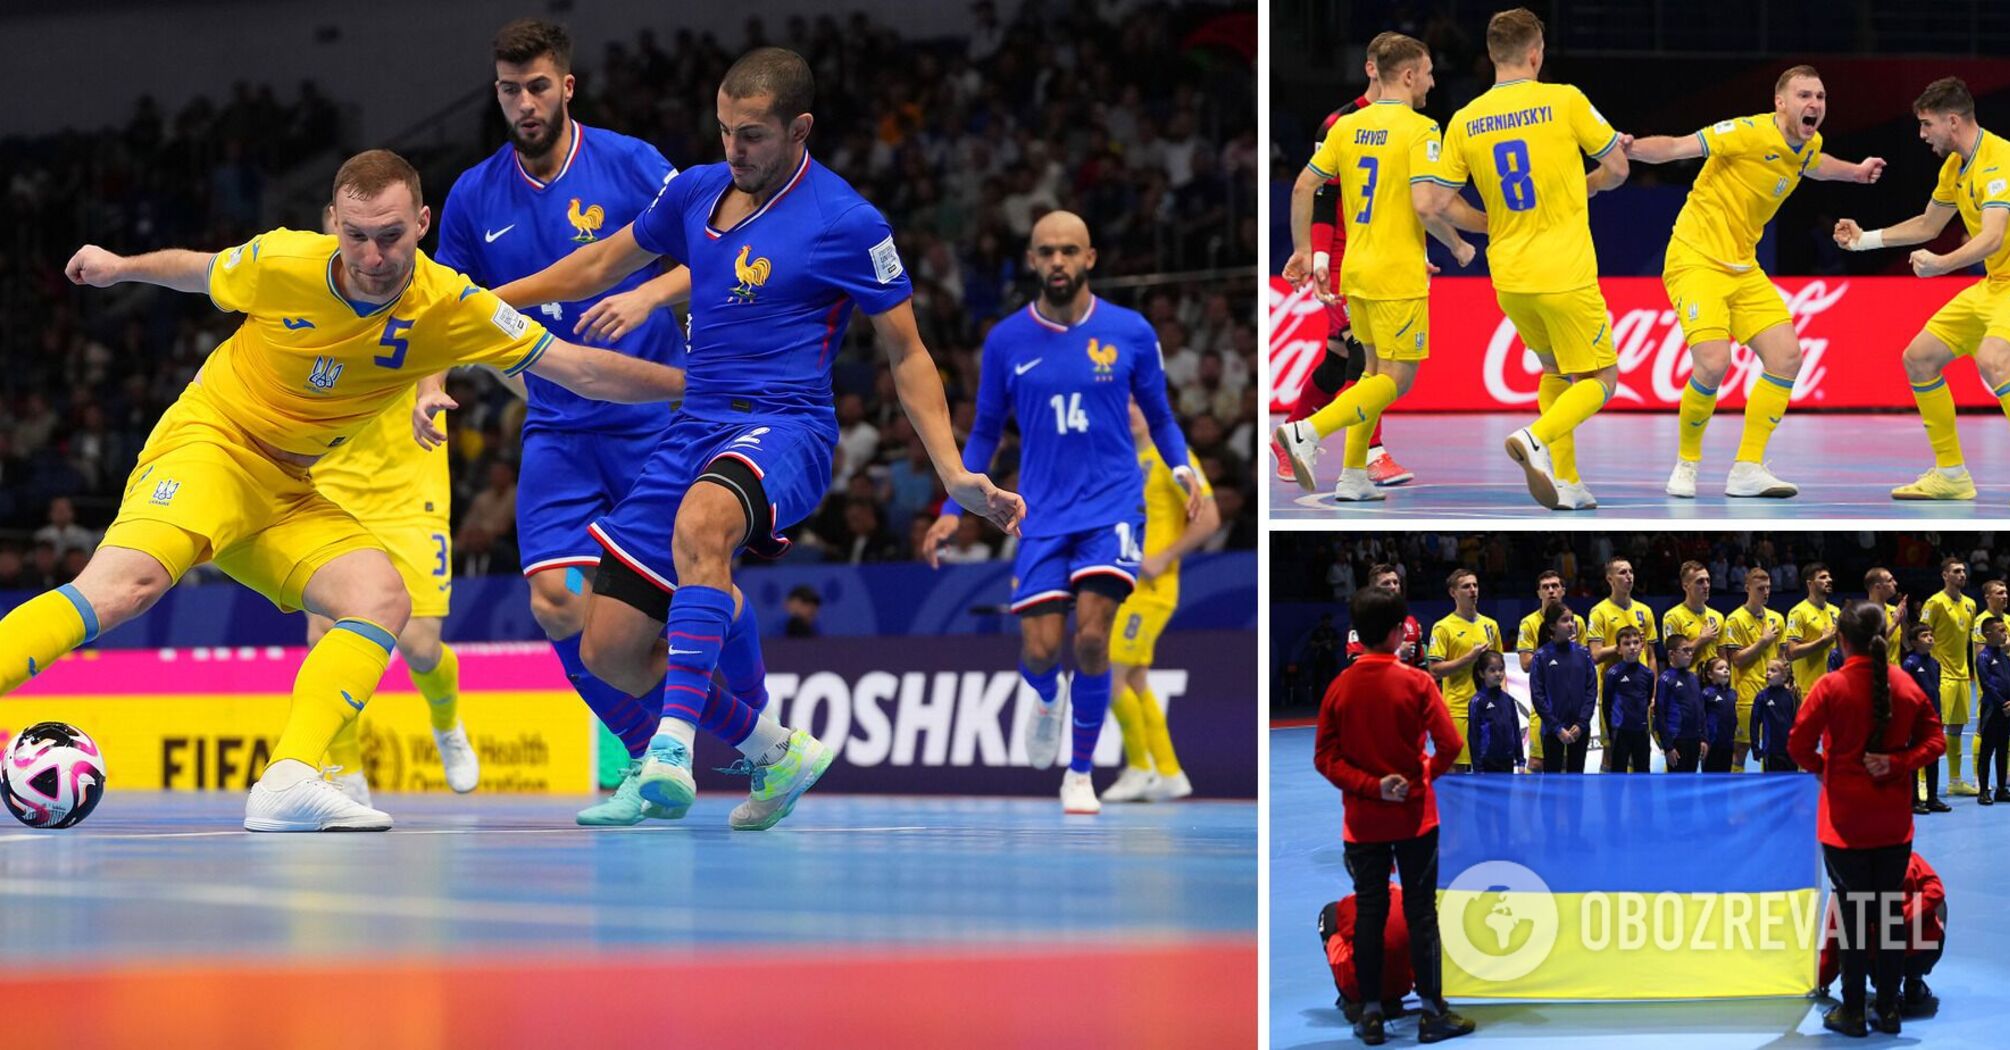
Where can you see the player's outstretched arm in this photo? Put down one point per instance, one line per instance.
(582, 274)
(1611, 171)
(176, 268)
(1830, 169)
(604, 375)
(919, 387)
(617, 315)
(1917, 230)
(1298, 269)
(1664, 149)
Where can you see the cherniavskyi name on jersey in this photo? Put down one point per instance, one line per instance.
(1519, 118)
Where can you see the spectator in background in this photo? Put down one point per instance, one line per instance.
(62, 532)
(967, 546)
(866, 538)
(72, 564)
(910, 485)
(14, 574)
(483, 539)
(858, 439)
(803, 605)
(44, 566)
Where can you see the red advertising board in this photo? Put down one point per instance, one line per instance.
(1852, 330)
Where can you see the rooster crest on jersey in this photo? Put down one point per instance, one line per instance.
(752, 275)
(1105, 357)
(584, 223)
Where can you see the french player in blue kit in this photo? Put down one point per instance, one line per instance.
(555, 186)
(780, 251)
(1066, 368)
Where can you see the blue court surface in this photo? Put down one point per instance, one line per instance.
(493, 916)
(1845, 464)
(1307, 871)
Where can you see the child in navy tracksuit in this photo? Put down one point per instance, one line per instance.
(1720, 716)
(1772, 716)
(1925, 671)
(1992, 676)
(1629, 693)
(1563, 688)
(1678, 708)
(1494, 722)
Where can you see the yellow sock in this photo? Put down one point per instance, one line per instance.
(1579, 402)
(1954, 765)
(1764, 409)
(1936, 410)
(1355, 456)
(1355, 404)
(2002, 396)
(41, 629)
(1699, 403)
(1562, 451)
(346, 750)
(1156, 736)
(441, 687)
(335, 681)
(1132, 723)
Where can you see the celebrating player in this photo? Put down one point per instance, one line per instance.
(337, 329)
(1712, 270)
(1751, 641)
(1608, 618)
(555, 186)
(1456, 642)
(1951, 614)
(1382, 156)
(1067, 374)
(1151, 769)
(1528, 638)
(780, 251)
(1811, 628)
(1974, 184)
(1520, 143)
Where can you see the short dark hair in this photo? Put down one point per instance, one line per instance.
(1452, 580)
(1376, 613)
(806, 593)
(1946, 95)
(1391, 52)
(1952, 560)
(526, 38)
(1780, 85)
(1550, 617)
(370, 172)
(1989, 621)
(1913, 632)
(1511, 33)
(1629, 629)
(1812, 570)
(1875, 575)
(776, 72)
(1549, 574)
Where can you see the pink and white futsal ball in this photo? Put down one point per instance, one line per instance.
(52, 775)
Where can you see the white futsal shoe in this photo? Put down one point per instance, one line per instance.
(457, 757)
(1682, 480)
(1575, 495)
(1133, 785)
(1078, 794)
(1757, 480)
(1301, 446)
(291, 796)
(1043, 731)
(355, 785)
(1533, 458)
(1169, 788)
(1354, 486)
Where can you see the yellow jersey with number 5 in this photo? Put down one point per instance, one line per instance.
(1970, 186)
(1748, 169)
(310, 368)
(1376, 152)
(1522, 143)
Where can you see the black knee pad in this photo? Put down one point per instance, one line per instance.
(1109, 585)
(737, 477)
(617, 580)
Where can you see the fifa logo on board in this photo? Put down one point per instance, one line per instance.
(1105, 357)
(584, 223)
(326, 371)
(164, 491)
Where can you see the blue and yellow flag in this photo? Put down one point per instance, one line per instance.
(1667, 886)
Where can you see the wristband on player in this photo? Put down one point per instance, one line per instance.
(1321, 260)
(1868, 240)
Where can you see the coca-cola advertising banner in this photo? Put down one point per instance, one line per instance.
(1852, 331)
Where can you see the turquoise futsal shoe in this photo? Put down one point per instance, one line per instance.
(627, 807)
(665, 777)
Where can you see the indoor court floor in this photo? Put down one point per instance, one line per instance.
(883, 918)
(1307, 871)
(1845, 465)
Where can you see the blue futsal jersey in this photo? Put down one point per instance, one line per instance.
(500, 224)
(1070, 387)
(771, 297)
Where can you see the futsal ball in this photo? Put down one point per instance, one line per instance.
(52, 775)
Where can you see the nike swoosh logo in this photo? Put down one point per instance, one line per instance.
(1774, 419)
(1695, 422)
(296, 323)
(674, 651)
(490, 235)
(352, 701)
(1027, 367)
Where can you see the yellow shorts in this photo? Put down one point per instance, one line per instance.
(263, 523)
(1954, 696)
(1461, 718)
(1397, 329)
(1714, 303)
(423, 552)
(1982, 309)
(1139, 624)
(1745, 719)
(1573, 328)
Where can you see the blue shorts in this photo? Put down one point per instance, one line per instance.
(790, 459)
(1050, 568)
(568, 479)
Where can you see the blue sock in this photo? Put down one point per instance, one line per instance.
(699, 617)
(740, 661)
(1090, 696)
(623, 715)
(1045, 683)
(727, 717)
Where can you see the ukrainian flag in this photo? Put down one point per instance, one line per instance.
(1663, 886)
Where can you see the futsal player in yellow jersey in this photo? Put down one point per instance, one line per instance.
(401, 493)
(1752, 636)
(1811, 628)
(1528, 638)
(337, 329)
(1382, 155)
(1521, 142)
(1750, 165)
(1617, 610)
(1151, 768)
(1693, 618)
(1457, 641)
(1975, 184)
(1951, 614)
(1882, 586)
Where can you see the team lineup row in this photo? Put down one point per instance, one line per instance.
(1393, 178)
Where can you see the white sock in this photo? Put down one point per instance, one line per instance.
(767, 743)
(677, 729)
(1952, 472)
(287, 772)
